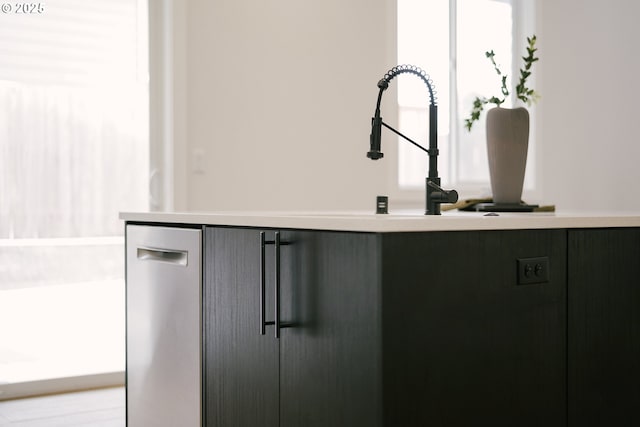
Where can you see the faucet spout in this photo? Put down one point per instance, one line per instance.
(435, 195)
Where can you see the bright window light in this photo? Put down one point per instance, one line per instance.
(448, 39)
(74, 151)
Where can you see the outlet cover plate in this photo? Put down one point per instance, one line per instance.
(533, 270)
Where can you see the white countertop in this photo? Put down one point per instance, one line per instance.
(396, 222)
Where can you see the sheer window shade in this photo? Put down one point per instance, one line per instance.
(73, 119)
(72, 43)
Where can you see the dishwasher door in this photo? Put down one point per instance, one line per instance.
(164, 282)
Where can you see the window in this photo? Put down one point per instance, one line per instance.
(73, 153)
(448, 38)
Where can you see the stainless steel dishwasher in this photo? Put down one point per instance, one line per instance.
(163, 326)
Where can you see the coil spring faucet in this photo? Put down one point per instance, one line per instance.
(435, 195)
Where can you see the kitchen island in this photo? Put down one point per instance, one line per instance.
(355, 319)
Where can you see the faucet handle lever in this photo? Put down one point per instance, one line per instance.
(450, 195)
(440, 195)
(444, 196)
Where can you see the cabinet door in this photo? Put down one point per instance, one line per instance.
(241, 366)
(330, 356)
(464, 343)
(604, 327)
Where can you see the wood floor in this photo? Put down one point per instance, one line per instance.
(95, 408)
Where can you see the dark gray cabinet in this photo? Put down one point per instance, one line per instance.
(464, 344)
(421, 329)
(241, 374)
(330, 356)
(604, 327)
(323, 368)
(393, 329)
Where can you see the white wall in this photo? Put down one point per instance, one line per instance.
(279, 96)
(588, 115)
(279, 102)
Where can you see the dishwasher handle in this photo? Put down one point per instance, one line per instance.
(170, 256)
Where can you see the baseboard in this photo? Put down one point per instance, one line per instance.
(61, 385)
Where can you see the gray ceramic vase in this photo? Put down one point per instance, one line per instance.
(507, 144)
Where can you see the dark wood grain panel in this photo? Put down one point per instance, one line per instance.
(463, 343)
(241, 366)
(330, 360)
(604, 327)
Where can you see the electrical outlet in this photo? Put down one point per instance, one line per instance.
(533, 270)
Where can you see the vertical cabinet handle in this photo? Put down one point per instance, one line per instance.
(277, 280)
(263, 322)
(263, 244)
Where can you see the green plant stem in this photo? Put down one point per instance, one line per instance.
(523, 93)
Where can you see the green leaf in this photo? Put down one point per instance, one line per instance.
(523, 92)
